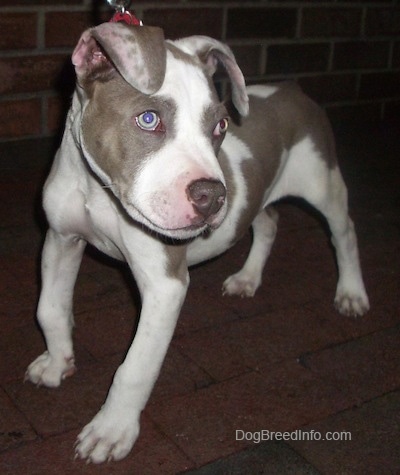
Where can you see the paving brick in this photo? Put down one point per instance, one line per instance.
(274, 457)
(92, 293)
(114, 335)
(366, 368)
(19, 346)
(196, 315)
(179, 376)
(277, 398)
(15, 429)
(153, 454)
(70, 406)
(232, 349)
(374, 444)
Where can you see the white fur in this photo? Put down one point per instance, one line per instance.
(262, 91)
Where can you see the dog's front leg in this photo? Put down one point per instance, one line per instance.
(61, 259)
(113, 431)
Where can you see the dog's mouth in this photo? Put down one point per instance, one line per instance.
(196, 227)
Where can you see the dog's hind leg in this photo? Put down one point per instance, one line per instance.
(325, 189)
(60, 264)
(248, 279)
(351, 298)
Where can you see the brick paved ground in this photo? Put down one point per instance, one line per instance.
(282, 361)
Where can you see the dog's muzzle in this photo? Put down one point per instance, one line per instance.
(207, 197)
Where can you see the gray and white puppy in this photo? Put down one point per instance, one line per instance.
(148, 173)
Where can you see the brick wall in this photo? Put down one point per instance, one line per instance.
(344, 53)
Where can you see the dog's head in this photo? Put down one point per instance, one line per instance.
(152, 124)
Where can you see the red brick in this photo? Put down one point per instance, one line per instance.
(21, 345)
(180, 22)
(374, 445)
(355, 112)
(279, 398)
(331, 22)
(295, 58)
(179, 376)
(330, 87)
(73, 404)
(392, 110)
(100, 343)
(18, 30)
(380, 85)
(15, 429)
(261, 23)
(248, 58)
(19, 118)
(396, 55)
(366, 368)
(361, 55)
(30, 73)
(383, 21)
(40, 2)
(232, 349)
(65, 28)
(152, 454)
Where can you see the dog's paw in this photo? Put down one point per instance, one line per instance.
(46, 371)
(351, 304)
(240, 284)
(107, 437)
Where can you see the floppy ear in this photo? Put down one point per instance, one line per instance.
(212, 51)
(137, 52)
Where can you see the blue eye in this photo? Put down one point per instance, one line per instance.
(221, 127)
(148, 120)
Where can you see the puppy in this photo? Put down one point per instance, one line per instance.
(149, 173)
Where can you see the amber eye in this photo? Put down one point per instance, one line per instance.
(221, 127)
(149, 121)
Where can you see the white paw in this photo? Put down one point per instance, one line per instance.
(240, 284)
(351, 304)
(107, 437)
(48, 371)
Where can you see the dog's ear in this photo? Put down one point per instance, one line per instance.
(138, 53)
(211, 52)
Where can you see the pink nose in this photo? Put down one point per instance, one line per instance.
(207, 196)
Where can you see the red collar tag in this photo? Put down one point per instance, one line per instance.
(122, 14)
(127, 17)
